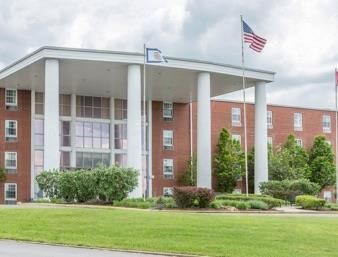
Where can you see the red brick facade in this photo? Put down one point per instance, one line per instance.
(22, 145)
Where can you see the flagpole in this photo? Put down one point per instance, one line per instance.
(146, 190)
(244, 114)
(336, 85)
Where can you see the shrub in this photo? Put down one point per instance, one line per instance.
(257, 204)
(310, 202)
(2, 175)
(85, 182)
(48, 182)
(270, 201)
(242, 205)
(187, 197)
(331, 206)
(67, 186)
(135, 203)
(217, 204)
(289, 189)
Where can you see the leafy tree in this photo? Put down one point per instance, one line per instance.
(321, 162)
(2, 175)
(228, 163)
(189, 177)
(289, 162)
(251, 170)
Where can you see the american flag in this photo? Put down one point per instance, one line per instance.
(257, 43)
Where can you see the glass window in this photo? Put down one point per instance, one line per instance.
(39, 103)
(92, 107)
(92, 135)
(10, 191)
(89, 160)
(269, 119)
(236, 116)
(120, 109)
(167, 191)
(168, 110)
(326, 123)
(168, 168)
(168, 139)
(38, 132)
(11, 130)
(236, 137)
(64, 105)
(121, 160)
(10, 161)
(120, 139)
(65, 135)
(299, 142)
(298, 121)
(65, 160)
(270, 141)
(11, 97)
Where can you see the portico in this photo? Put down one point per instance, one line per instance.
(116, 79)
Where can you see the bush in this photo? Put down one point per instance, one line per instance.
(270, 201)
(85, 183)
(217, 204)
(331, 206)
(2, 175)
(310, 202)
(67, 186)
(186, 197)
(257, 204)
(242, 205)
(289, 189)
(135, 203)
(48, 182)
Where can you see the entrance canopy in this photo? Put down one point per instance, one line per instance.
(105, 73)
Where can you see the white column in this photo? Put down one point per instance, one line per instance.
(261, 134)
(51, 115)
(134, 132)
(33, 182)
(112, 131)
(203, 131)
(73, 130)
(150, 148)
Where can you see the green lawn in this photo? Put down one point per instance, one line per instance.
(206, 234)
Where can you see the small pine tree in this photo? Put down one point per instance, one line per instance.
(228, 163)
(2, 175)
(321, 162)
(189, 177)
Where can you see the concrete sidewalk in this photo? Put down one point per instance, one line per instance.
(9, 248)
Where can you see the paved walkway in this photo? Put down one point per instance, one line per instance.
(9, 248)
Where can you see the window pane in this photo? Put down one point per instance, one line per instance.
(79, 142)
(79, 129)
(97, 102)
(88, 101)
(96, 129)
(88, 129)
(38, 127)
(96, 142)
(88, 142)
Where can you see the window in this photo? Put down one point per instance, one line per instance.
(168, 140)
(11, 130)
(168, 111)
(38, 132)
(10, 192)
(236, 117)
(39, 103)
(120, 139)
(299, 142)
(90, 160)
(269, 119)
(65, 133)
(121, 160)
(270, 141)
(236, 138)
(298, 121)
(326, 123)
(167, 191)
(64, 105)
(11, 97)
(10, 162)
(168, 168)
(120, 109)
(92, 135)
(64, 160)
(38, 161)
(92, 107)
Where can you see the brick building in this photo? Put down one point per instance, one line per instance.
(62, 108)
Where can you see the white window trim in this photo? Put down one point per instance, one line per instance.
(298, 128)
(16, 128)
(172, 110)
(171, 161)
(236, 123)
(269, 125)
(172, 138)
(16, 161)
(326, 129)
(299, 142)
(16, 97)
(16, 192)
(167, 189)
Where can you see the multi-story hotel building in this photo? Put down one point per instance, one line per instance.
(66, 108)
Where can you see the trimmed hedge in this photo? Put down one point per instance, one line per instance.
(187, 197)
(310, 202)
(165, 202)
(241, 205)
(289, 189)
(270, 201)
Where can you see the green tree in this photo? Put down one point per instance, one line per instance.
(189, 177)
(228, 162)
(251, 170)
(2, 175)
(321, 162)
(289, 162)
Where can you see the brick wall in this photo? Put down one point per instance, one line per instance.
(22, 146)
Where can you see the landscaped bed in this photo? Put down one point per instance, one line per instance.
(205, 234)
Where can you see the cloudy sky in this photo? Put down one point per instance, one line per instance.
(302, 35)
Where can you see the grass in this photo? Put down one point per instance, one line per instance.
(205, 234)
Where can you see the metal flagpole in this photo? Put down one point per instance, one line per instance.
(336, 85)
(146, 191)
(244, 114)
